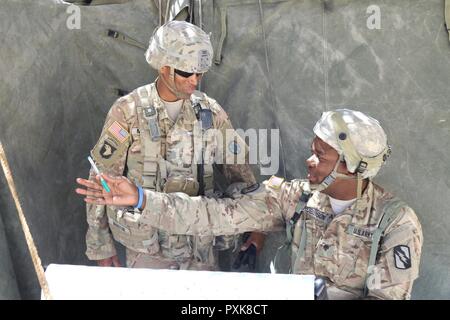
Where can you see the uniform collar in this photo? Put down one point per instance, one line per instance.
(159, 105)
(360, 208)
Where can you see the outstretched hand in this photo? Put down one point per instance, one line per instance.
(123, 193)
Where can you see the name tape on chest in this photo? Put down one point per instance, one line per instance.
(318, 215)
(359, 231)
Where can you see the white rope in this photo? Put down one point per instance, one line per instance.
(28, 237)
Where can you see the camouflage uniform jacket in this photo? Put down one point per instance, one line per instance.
(328, 248)
(120, 151)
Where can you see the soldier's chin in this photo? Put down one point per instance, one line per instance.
(312, 179)
(190, 90)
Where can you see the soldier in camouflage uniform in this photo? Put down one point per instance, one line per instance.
(340, 225)
(153, 136)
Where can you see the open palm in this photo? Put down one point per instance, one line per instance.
(123, 191)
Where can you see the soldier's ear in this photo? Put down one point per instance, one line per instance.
(164, 71)
(343, 169)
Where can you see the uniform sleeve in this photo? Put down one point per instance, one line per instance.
(240, 171)
(233, 151)
(236, 166)
(110, 156)
(398, 259)
(264, 209)
(178, 213)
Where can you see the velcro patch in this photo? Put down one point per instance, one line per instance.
(402, 257)
(204, 59)
(275, 182)
(109, 153)
(107, 149)
(118, 132)
(234, 147)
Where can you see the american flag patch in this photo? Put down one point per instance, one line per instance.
(118, 132)
(275, 182)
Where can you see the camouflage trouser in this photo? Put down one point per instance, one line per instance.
(335, 293)
(157, 261)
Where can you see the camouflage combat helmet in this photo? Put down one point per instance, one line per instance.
(360, 142)
(359, 139)
(180, 45)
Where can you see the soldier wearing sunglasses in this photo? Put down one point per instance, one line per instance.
(150, 135)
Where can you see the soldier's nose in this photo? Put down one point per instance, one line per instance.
(311, 161)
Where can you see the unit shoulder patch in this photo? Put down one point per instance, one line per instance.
(108, 148)
(108, 151)
(402, 257)
(234, 147)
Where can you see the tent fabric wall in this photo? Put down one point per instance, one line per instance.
(8, 282)
(58, 85)
(322, 55)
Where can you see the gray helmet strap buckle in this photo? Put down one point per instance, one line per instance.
(362, 166)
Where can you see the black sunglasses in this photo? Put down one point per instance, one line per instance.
(185, 74)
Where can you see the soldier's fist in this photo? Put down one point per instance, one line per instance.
(108, 262)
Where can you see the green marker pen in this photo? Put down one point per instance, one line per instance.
(104, 184)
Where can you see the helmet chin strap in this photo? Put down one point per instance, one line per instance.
(172, 86)
(328, 180)
(332, 178)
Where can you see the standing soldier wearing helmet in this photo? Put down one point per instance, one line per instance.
(339, 224)
(152, 136)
